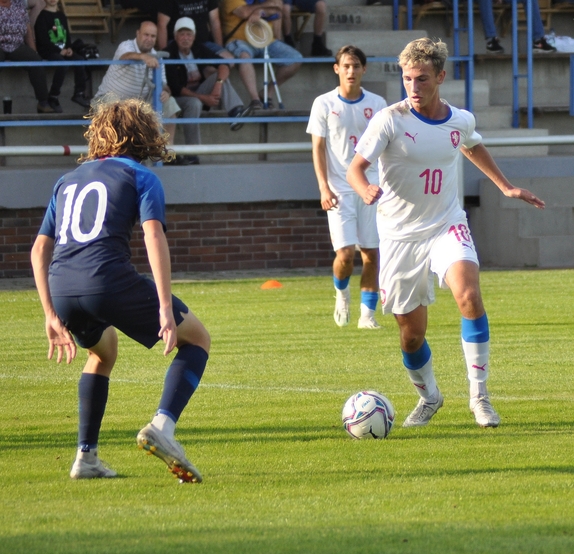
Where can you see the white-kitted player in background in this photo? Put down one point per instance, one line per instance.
(336, 123)
(422, 228)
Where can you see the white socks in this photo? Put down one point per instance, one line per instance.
(164, 424)
(424, 382)
(476, 355)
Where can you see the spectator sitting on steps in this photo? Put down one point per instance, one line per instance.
(54, 43)
(191, 87)
(133, 80)
(539, 45)
(236, 14)
(319, 8)
(17, 45)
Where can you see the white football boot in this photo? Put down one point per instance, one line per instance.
(367, 319)
(423, 412)
(88, 466)
(151, 439)
(484, 413)
(342, 313)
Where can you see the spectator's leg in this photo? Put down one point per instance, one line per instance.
(59, 75)
(287, 23)
(37, 75)
(248, 77)
(537, 25)
(318, 48)
(487, 18)
(190, 107)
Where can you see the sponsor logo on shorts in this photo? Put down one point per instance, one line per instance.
(383, 295)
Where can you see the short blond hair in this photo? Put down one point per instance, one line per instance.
(424, 50)
(126, 128)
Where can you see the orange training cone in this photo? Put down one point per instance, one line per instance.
(271, 285)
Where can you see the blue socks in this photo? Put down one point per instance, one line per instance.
(182, 379)
(93, 397)
(369, 299)
(416, 360)
(475, 330)
(341, 284)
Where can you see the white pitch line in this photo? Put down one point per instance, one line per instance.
(301, 390)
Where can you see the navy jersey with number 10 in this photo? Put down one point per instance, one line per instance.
(91, 217)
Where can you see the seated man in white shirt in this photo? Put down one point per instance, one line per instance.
(134, 80)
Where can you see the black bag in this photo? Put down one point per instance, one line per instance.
(87, 51)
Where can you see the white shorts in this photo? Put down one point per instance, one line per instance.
(353, 222)
(407, 269)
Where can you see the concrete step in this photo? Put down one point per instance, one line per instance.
(492, 117)
(516, 151)
(452, 91)
(373, 43)
(360, 18)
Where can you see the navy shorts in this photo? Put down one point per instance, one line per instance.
(134, 311)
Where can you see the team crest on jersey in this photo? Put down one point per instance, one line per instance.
(383, 295)
(455, 138)
(368, 113)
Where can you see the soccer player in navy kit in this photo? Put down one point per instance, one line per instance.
(88, 287)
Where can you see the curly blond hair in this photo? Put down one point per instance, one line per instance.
(424, 50)
(126, 128)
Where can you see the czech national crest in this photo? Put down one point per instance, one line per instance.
(455, 138)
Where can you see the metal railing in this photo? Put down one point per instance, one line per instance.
(264, 148)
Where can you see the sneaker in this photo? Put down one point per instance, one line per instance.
(540, 46)
(342, 307)
(243, 112)
(423, 412)
(484, 412)
(493, 46)
(368, 322)
(319, 50)
(170, 451)
(44, 107)
(54, 103)
(90, 467)
(80, 99)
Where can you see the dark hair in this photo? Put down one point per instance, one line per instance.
(126, 128)
(351, 51)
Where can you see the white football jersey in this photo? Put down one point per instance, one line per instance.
(342, 122)
(417, 168)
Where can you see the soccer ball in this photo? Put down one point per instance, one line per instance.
(368, 415)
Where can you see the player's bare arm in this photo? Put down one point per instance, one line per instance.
(482, 159)
(328, 197)
(159, 260)
(59, 338)
(357, 178)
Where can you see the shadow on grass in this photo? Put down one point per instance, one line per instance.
(38, 438)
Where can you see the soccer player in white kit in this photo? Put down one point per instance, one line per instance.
(422, 228)
(337, 121)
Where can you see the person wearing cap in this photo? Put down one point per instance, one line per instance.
(205, 15)
(236, 16)
(130, 81)
(197, 85)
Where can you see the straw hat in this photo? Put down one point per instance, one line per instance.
(259, 33)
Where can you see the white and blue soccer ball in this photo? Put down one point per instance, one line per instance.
(368, 415)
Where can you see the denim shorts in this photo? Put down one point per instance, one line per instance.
(277, 49)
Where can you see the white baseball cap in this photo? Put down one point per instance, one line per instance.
(184, 23)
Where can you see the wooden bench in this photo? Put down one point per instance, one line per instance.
(86, 16)
(119, 16)
(300, 20)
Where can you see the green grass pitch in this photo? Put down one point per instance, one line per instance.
(264, 428)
